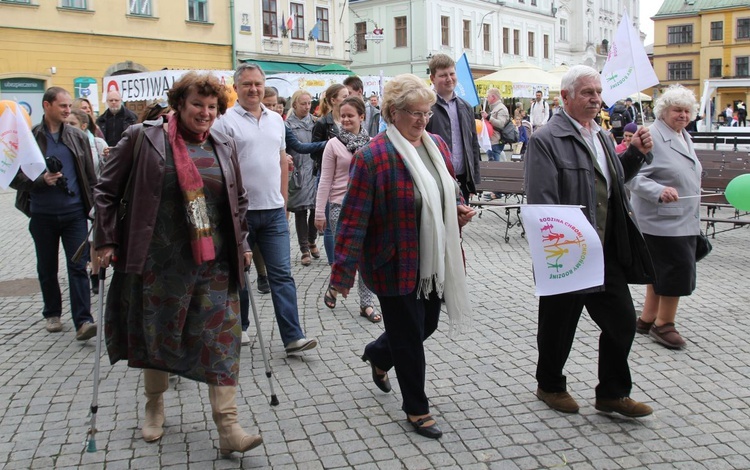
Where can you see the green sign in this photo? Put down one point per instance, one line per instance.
(27, 85)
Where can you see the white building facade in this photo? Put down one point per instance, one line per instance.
(261, 33)
(492, 33)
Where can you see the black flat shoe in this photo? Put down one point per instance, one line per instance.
(380, 380)
(432, 431)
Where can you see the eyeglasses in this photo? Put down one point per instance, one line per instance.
(419, 114)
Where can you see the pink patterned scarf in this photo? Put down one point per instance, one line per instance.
(191, 184)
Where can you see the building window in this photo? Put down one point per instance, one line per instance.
(78, 4)
(140, 7)
(506, 40)
(321, 14)
(198, 10)
(531, 44)
(445, 31)
(679, 71)
(467, 34)
(563, 30)
(717, 30)
(486, 35)
(360, 30)
(517, 41)
(743, 28)
(270, 17)
(400, 29)
(533, 3)
(680, 34)
(546, 46)
(26, 2)
(714, 68)
(298, 12)
(742, 66)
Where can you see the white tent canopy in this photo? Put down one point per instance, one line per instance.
(524, 75)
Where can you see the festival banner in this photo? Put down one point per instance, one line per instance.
(565, 249)
(627, 69)
(18, 149)
(153, 85)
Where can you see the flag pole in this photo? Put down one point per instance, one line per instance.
(632, 59)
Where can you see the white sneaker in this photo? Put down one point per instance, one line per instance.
(245, 339)
(302, 344)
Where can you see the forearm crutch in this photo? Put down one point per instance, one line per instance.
(90, 443)
(269, 373)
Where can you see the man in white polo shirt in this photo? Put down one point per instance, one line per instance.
(260, 137)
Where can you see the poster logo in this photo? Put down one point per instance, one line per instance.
(564, 247)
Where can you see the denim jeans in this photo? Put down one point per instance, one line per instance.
(496, 154)
(47, 230)
(328, 240)
(270, 230)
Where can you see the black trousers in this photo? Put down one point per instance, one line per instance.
(464, 185)
(611, 309)
(408, 322)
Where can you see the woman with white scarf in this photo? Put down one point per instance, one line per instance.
(400, 226)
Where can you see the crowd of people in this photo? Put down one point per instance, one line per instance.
(185, 201)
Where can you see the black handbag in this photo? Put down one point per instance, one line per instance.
(702, 247)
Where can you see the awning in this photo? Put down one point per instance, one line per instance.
(282, 67)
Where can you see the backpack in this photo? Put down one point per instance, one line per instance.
(619, 117)
(509, 133)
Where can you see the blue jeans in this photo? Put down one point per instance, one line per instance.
(328, 240)
(270, 230)
(47, 230)
(496, 154)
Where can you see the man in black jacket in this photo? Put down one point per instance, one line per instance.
(58, 211)
(453, 120)
(115, 119)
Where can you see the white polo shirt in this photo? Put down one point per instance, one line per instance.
(259, 142)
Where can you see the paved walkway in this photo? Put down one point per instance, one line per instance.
(481, 386)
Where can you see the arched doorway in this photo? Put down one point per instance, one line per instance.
(124, 68)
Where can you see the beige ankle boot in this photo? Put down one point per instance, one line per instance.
(232, 438)
(155, 383)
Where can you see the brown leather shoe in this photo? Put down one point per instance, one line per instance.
(626, 406)
(560, 401)
(643, 327)
(667, 335)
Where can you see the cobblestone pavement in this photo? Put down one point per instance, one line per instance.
(480, 386)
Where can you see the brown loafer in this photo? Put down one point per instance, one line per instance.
(560, 401)
(626, 406)
(643, 327)
(667, 335)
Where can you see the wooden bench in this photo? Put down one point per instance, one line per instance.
(507, 179)
(715, 180)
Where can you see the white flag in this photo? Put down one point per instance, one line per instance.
(483, 136)
(565, 249)
(18, 149)
(627, 69)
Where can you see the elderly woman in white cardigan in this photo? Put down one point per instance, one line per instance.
(665, 198)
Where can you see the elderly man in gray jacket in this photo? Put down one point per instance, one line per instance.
(572, 161)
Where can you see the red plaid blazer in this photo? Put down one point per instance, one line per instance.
(377, 231)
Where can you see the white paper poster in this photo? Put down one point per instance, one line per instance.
(565, 249)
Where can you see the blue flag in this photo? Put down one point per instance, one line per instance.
(315, 31)
(465, 87)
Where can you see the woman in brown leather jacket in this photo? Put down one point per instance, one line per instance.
(170, 210)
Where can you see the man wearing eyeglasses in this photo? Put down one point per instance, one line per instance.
(453, 120)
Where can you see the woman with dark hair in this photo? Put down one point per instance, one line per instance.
(85, 105)
(327, 127)
(155, 110)
(181, 246)
(334, 178)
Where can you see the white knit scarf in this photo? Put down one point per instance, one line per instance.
(440, 258)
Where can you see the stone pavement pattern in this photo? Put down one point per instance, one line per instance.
(481, 385)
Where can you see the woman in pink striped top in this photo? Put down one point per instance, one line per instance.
(334, 178)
